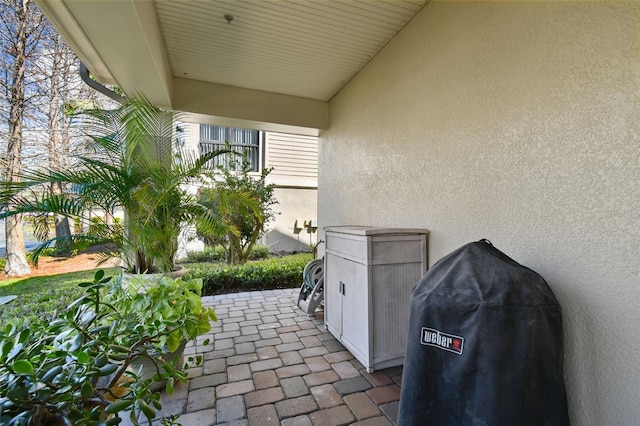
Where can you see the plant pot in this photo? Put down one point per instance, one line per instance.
(145, 368)
(178, 272)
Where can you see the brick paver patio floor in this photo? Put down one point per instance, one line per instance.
(267, 363)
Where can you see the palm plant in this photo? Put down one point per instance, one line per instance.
(248, 222)
(134, 167)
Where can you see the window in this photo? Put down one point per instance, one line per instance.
(245, 142)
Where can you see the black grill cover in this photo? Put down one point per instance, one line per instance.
(484, 346)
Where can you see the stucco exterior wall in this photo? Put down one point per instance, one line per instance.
(293, 204)
(518, 122)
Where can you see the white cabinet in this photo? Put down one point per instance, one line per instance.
(369, 275)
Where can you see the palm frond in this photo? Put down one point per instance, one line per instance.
(132, 165)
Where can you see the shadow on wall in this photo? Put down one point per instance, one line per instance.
(582, 386)
(277, 241)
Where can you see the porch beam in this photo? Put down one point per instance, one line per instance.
(236, 106)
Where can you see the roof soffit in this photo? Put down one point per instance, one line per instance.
(292, 56)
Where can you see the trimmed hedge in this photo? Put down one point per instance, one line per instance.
(217, 254)
(283, 272)
(209, 254)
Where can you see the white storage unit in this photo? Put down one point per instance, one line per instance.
(369, 275)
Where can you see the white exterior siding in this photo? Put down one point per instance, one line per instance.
(294, 159)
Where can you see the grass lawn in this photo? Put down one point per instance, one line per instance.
(44, 296)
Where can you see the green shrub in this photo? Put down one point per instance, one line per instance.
(259, 252)
(3, 262)
(216, 253)
(242, 200)
(209, 254)
(284, 272)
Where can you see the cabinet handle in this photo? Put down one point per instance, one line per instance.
(341, 288)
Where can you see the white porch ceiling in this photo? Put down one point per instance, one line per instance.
(277, 61)
(303, 48)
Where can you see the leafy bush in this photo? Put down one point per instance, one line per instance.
(81, 366)
(209, 254)
(284, 272)
(217, 253)
(248, 215)
(259, 252)
(3, 262)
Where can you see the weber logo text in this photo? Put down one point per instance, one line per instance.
(448, 342)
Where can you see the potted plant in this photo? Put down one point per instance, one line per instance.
(136, 166)
(77, 369)
(168, 308)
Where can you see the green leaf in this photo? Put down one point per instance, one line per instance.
(173, 341)
(5, 348)
(149, 412)
(15, 350)
(107, 369)
(117, 406)
(53, 372)
(101, 360)
(203, 327)
(156, 403)
(63, 390)
(94, 415)
(86, 390)
(133, 417)
(23, 367)
(83, 357)
(76, 343)
(120, 349)
(88, 317)
(17, 393)
(24, 335)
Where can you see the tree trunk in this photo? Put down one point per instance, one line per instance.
(63, 231)
(16, 264)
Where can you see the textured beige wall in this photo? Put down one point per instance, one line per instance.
(293, 203)
(518, 122)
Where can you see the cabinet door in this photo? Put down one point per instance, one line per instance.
(355, 308)
(333, 294)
